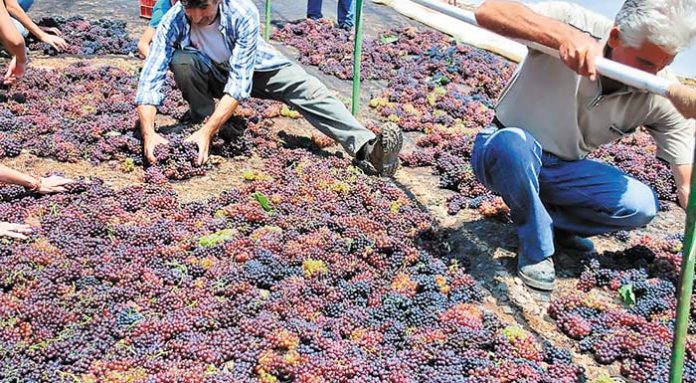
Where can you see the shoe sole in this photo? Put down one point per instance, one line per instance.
(533, 283)
(392, 141)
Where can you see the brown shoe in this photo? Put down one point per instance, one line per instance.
(383, 152)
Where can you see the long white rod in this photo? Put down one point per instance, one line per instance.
(617, 71)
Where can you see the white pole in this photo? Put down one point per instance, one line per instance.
(619, 72)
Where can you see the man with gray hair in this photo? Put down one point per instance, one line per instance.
(554, 112)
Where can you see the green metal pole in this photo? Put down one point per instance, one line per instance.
(267, 29)
(686, 282)
(357, 57)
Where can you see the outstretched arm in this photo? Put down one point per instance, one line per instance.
(151, 139)
(44, 185)
(152, 76)
(518, 21)
(18, 13)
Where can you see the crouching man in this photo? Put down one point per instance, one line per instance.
(555, 112)
(214, 49)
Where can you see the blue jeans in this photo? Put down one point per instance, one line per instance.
(345, 11)
(546, 193)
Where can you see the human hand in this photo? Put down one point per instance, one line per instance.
(56, 42)
(14, 230)
(52, 184)
(15, 71)
(143, 50)
(149, 143)
(579, 51)
(202, 139)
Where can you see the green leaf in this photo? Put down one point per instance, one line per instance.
(216, 238)
(388, 39)
(627, 294)
(263, 201)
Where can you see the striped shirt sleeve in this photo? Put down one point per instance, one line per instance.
(243, 57)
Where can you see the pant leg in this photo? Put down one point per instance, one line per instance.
(294, 86)
(508, 161)
(589, 197)
(345, 13)
(197, 82)
(25, 4)
(314, 9)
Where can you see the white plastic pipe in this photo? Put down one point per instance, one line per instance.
(619, 72)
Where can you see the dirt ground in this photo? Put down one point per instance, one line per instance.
(488, 246)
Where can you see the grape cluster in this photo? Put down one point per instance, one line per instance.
(626, 307)
(86, 112)
(88, 38)
(177, 159)
(320, 43)
(307, 270)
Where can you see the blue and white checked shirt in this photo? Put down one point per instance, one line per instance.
(239, 24)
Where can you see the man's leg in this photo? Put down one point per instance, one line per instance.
(314, 9)
(294, 86)
(589, 197)
(194, 79)
(345, 14)
(508, 161)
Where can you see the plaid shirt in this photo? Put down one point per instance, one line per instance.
(239, 24)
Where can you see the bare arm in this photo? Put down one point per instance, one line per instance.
(517, 21)
(43, 185)
(11, 176)
(147, 114)
(145, 40)
(223, 112)
(18, 13)
(682, 178)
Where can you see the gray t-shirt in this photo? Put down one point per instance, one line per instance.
(568, 114)
(209, 40)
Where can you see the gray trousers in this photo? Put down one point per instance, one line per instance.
(292, 85)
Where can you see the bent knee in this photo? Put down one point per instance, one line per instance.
(183, 59)
(639, 204)
(513, 146)
(314, 89)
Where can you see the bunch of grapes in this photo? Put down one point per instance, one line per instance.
(625, 311)
(87, 112)
(88, 38)
(177, 159)
(307, 270)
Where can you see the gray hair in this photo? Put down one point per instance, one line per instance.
(670, 24)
